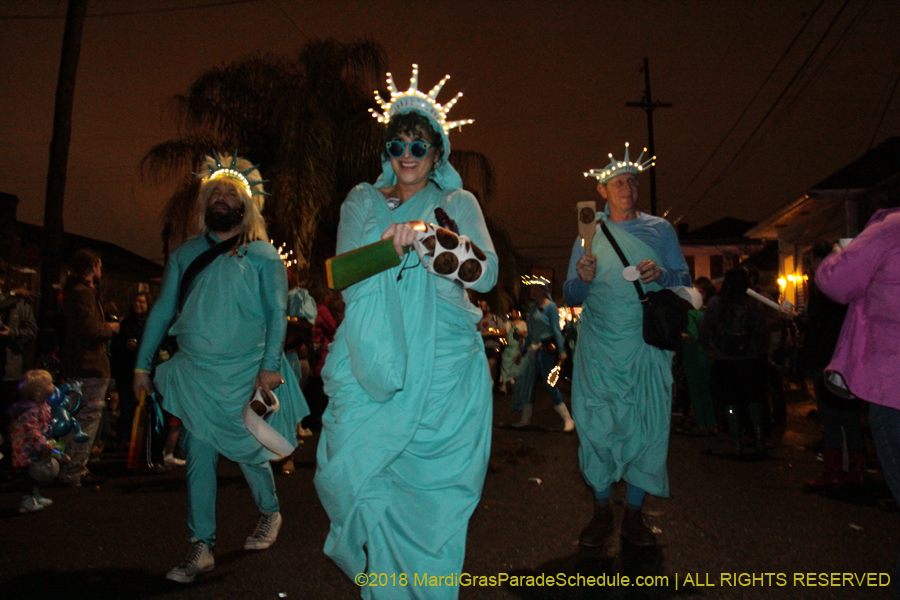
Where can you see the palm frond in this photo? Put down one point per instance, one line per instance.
(305, 120)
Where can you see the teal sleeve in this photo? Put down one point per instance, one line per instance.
(471, 223)
(161, 316)
(574, 289)
(273, 292)
(356, 221)
(675, 271)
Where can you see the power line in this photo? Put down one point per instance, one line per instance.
(767, 115)
(884, 113)
(804, 85)
(131, 12)
(751, 102)
(294, 23)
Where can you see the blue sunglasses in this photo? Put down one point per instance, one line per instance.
(417, 149)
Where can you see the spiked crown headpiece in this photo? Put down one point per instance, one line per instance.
(443, 174)
(217, 170)
(536, 280)
(416, 100)
(619, 167)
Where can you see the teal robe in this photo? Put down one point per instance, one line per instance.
(622, 386)
(542, 324)
(406, 436)
(232, 325)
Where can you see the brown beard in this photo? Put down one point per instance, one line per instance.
(223, 221)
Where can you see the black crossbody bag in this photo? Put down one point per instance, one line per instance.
(170, 344)
(665, 313)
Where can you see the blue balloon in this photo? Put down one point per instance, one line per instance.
(65, 400)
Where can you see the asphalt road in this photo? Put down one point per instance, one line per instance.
(726, 521)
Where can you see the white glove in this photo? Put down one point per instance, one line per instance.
(454, 257)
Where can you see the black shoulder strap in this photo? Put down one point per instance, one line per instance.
(201, 262)
(615, 245)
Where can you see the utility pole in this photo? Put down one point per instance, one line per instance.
(59, 157)
(649, 106)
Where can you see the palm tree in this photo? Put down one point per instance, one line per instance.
(304, 119)
(477, 173)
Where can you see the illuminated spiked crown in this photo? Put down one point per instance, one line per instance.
(619, 167)
(535, 280)
(414, 99)
(218, 171)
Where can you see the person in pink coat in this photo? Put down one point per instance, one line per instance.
(866, 276)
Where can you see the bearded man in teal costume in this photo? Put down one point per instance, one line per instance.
(224, 297)
(621, 386)
(407, 433)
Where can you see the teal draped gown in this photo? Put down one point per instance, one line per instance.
(231, 326)
(621, 386)
(406, 435)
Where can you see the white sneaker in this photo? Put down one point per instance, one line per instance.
(45, 502)
(30, 504)
(266, 532)
(199, 560)
(171, 461)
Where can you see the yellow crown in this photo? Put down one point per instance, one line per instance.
(414, 99)
(535, 280)
(218, 170)
(619, 167)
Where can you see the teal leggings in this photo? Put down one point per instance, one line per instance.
(202, 459)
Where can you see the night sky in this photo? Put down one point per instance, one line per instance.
(546, 83)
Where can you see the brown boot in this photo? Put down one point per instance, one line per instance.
(634, 530)
(832, 473)
(601, 525)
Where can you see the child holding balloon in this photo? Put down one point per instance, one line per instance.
(32, 444)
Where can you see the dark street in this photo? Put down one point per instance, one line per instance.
(727, 521)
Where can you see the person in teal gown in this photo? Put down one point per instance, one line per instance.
(406, 436)
(230, 324)
(621, 386)
(542, 350)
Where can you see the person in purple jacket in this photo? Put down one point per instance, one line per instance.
(866, 275)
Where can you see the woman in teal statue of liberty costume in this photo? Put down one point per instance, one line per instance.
(406, 435)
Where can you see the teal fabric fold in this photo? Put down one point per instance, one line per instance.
(621, 386)
(406, 435)
(231, 326)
